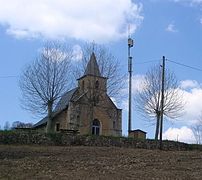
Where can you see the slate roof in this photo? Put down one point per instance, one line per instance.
(41, 122)
(92, 67)
(64, 101)
(61, 105)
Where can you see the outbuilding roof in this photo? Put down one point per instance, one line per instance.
(139, 130)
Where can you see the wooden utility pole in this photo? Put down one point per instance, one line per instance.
(162, 101)
(130, 45)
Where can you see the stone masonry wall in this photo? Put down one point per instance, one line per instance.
(64, 139)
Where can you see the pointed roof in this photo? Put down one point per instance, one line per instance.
(92, 67)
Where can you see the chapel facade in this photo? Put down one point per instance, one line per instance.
(87, 109)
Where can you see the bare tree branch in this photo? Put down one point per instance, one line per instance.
(109, 67)
(149, 98)
(44, 80)
(197, 130)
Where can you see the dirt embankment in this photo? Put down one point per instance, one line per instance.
(55, 162)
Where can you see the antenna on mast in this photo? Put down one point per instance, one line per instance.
(130, 45)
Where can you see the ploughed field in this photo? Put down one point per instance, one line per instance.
(82, 162)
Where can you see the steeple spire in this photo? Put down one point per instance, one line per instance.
(92, 67)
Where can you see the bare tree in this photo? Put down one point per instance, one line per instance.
(44, 80)
(18, 124)
(148, 100)
(109, 67)
(197, 130)
(7, 126)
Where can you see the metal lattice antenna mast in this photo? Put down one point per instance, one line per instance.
(130, 45)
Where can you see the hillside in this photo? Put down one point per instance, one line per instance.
(82, 162)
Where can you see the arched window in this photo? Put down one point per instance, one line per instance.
(96, 127)
(97, 84)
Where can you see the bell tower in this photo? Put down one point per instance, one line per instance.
(92, 79)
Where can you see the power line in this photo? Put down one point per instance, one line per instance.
(136, 63)
(140, 63)
(191, 67)
(146, 62)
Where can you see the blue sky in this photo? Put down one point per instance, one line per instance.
(172, 28)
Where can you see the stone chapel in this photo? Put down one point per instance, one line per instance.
(87, 109)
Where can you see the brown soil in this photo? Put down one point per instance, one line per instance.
(54, 162)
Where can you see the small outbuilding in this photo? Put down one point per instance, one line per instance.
(138, 134)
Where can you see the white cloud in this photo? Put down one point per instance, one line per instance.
(171, 28)
(20, 33)
(90, 20)
(190, 90)
(186, 84)
(55, 53)
(77, 53)
(183, 134)
(193, 106)
(137, 86)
